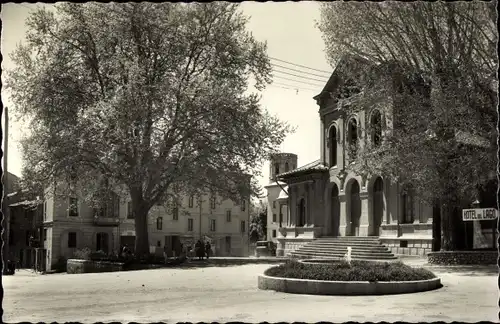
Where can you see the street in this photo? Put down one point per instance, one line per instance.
(230, 293)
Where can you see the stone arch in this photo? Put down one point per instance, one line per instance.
(353, 210)
(333, 141)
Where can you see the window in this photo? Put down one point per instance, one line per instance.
(190, 224)
(286, 167)
(159, 223)
(352, 136)
(332, 143)
(274, 218)
(191, 201)
(72, 240)
(228, 215)
(158, 243)
(376, 128)
(242, 227)
(276, 169)
(274, 204)
(243, 205)
(212, 202)
(45, 234)
(130, 211)
(73, 207)
(175, 212)
(274, 233)
(45, 210)
(212, 225)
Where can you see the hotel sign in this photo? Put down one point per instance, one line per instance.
(479, 214)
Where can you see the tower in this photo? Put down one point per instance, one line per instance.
(281, 163)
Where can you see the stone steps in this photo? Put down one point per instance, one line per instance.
(304, 255)
(365, 248)
(339, 252)
(344, 249)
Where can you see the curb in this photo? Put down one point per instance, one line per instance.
(345, 288)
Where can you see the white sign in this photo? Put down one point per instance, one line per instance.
(479, 214)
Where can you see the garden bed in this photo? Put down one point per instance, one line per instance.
(340, 278)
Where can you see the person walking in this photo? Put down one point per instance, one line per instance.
(165, 253)
(208, 249)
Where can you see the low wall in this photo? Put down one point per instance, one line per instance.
(353, 288)
(462, 257)
(87, 266)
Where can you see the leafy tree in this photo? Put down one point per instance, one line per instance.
(441, 58)
(258, 222)
(151, 98)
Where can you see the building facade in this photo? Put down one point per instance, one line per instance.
(325, 198)
(279, 163)
(71, 224)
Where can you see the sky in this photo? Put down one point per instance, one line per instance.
(291, 36)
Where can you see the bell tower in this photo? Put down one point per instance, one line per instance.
(281, 163)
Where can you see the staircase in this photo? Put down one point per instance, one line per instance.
(363, 248)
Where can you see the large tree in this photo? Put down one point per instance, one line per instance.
(443, 140)
(149, 97)
(258, 222)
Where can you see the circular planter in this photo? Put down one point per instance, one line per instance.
(353, 288)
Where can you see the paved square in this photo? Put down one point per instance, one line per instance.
(230, 294)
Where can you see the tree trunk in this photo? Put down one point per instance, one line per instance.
(141, 211)
(448, 242)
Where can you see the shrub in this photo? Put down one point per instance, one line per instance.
(83, 254)
(356, 271)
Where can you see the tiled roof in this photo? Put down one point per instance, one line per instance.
(313, 166)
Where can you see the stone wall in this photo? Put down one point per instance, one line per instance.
(413, 247)
(87, 266)
(463, 257)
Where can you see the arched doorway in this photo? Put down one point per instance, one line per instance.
(335, 211)
(355, 209)
(302, 212)
(378, 205)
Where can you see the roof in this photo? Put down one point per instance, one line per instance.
(283, 194)
(275, 183)
(310, 167)
(27, 203)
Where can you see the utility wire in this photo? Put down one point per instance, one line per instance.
(307, 73)
(303, 66)
(293, 86)
(300, 81)
(300, 76)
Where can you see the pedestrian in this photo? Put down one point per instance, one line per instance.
(208, 249)
(165, 253)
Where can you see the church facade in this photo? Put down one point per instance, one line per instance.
(325, 198)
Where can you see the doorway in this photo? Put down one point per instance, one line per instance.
(102, 242)
(355, 214)
(335, 211)
(378, 205)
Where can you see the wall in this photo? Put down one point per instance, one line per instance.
(273, 191)
(59, 224)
